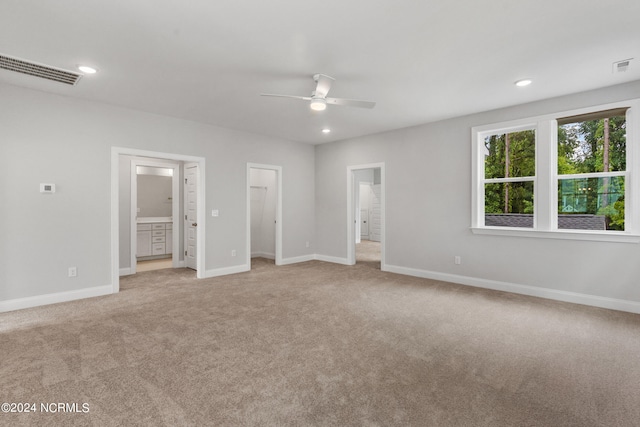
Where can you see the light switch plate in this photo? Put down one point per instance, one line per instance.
(215, 212)
(47, 188)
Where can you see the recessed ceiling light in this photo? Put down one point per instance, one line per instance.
(326, 130)
(523, 82)
(86, 69)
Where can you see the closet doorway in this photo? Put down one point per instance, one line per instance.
(264, 212)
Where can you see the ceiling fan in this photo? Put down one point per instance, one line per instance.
(319, 98)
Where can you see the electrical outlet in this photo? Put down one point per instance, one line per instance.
(307, 244)
(233, 252)
(457, 260)
(73, 271)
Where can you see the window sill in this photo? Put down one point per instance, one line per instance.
(610, 236)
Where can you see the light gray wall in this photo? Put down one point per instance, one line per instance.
(428, 208)
(66, 141)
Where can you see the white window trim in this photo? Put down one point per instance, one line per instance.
(546, 178)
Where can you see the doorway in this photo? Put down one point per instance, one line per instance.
(365, 192)
(155, 195)
(264, 213)
(123, 238)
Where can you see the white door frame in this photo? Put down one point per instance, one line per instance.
(351, 210)
(116, 152)
(175, 207)
(278, 170)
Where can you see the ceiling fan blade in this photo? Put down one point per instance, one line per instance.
(351, 102)
(323, 84)
(305, 98)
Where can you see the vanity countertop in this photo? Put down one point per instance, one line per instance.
(153, 219)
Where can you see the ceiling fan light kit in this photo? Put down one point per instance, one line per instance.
(319, 98)
(318, 104)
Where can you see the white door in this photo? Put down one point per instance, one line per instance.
(191, 214)
(364, 223)
(375, 216)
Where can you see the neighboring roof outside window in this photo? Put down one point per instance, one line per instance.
(566, 222)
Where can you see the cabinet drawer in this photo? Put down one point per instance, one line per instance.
(158, 248)
(158, 233)
(144, 227)
(158, 226)
(159, 239)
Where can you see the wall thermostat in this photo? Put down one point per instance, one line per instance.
(47, 188)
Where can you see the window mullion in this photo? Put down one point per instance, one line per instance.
(593, 175)
(546, 203)
(514, 179)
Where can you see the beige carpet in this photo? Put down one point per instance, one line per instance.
(318, 344)
(368, 252)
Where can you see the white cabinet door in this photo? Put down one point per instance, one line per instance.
(143, 243)
(169, 241)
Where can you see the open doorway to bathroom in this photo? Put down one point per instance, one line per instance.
(154, 204)
(162, 238)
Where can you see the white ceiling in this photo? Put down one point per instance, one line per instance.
(421, 61)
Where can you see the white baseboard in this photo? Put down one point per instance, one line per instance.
(333, 259)
(226, 270)
(266, 255)
(553, 294)
(297, 259)
(38, 300)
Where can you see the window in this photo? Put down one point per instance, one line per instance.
(592, 160)
(566, 175)
(509, 174)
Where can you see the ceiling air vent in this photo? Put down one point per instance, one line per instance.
(39, 70)
(621, 66)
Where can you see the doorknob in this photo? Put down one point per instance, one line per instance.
(194, 224)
